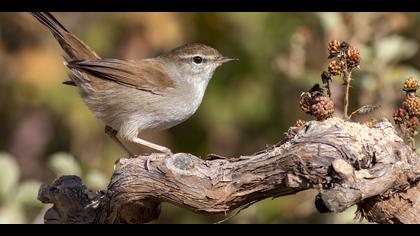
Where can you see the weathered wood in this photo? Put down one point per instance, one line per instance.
(347, 162)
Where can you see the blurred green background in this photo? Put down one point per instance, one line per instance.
(46, 131)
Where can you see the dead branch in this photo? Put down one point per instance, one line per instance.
(348, 163)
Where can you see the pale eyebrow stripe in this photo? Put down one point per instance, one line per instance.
(188, 56)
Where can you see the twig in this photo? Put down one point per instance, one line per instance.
(347, 79)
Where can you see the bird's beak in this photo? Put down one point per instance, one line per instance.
(224, 59)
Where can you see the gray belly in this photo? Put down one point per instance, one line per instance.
(133, 111)
(163, 114)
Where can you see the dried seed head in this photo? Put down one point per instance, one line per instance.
(322, 107)
(305, 102)
(353, 58)
(399, 115)
(413, 123)
(299, 123)
(412, 105)
(410, 85)
(335, 67)
(333, 48)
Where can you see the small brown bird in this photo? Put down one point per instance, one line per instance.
(132, 97)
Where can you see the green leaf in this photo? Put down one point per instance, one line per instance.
(64, 164)
(96, 180)
(364, 110)
(348, 217)
(9, 176)
(27, 193)
(12, 214)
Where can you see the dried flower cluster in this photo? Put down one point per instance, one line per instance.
(407, 116)
(299, 123)
(335, 67)
(317, 103)
(334, 48)
(412, 105)
(353, 58)
(410, 85)
(346, 57)
(322, 107)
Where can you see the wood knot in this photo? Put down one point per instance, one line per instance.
(182, 161)
(343, 169)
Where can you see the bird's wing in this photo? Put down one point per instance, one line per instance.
(143, 75)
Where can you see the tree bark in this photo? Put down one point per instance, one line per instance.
(348, 163)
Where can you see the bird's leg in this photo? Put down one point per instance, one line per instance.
(152, 145)
(112, 133)
(162, 149)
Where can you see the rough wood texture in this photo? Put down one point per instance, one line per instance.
(347, 162)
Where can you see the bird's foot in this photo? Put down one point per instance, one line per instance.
(165, 151)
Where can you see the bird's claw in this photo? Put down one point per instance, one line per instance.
(152, 156)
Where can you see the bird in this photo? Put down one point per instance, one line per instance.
(135, 96)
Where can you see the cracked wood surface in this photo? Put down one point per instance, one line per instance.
(348, 163)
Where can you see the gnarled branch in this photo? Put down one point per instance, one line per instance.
(347, 162)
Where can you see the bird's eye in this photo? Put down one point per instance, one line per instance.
(197, 59)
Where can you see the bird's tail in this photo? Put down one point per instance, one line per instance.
(74, 48)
